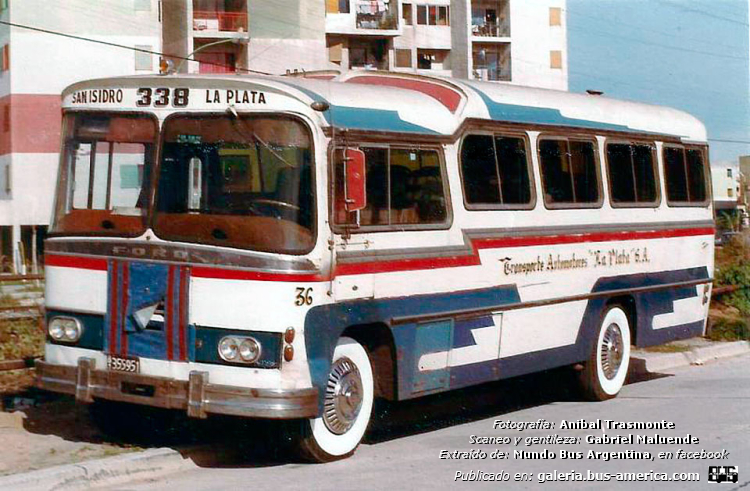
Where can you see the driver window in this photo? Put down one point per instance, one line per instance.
(404, 186)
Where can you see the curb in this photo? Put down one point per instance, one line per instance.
(106, 471)
(658, 362)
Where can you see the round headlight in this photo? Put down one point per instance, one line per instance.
(72, 330)
(228, 348)
(56, 329)
(249, 350)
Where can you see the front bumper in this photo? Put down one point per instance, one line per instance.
(196, 396)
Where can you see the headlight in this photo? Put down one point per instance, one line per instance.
(239, 349)
(249, 350)
(65, 329)
(228, 348)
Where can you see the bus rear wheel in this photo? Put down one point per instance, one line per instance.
(605, 371)
(349, 395)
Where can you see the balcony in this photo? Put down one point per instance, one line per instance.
(491, 63)
(490, 19)
(380, 14)
(363, 17)
(213, 21)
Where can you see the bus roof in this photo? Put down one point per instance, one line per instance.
(404, 103)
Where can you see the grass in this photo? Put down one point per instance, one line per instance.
(668, 348)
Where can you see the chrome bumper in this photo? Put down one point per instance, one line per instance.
(196, 396)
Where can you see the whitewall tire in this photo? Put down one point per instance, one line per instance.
(607, 367)
(348, 405)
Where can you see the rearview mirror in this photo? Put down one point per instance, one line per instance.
(356, 197)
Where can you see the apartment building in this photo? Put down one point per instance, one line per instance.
(514, 41)
(517, 41)
(36, 66)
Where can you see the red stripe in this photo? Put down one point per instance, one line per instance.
(113, 285)
(183, 307)
(233, 274)
(474, 260)
(168, 305)
(124, 308)
(76, 262)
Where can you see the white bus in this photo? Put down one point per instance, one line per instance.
(294, 247)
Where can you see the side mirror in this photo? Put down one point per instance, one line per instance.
(355, 191)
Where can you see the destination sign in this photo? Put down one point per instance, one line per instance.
(166, 97)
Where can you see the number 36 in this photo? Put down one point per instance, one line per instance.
(303, 297)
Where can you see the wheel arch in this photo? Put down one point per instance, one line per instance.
(378, 340)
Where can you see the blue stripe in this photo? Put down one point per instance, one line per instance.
(514, 113)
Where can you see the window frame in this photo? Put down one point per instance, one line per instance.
(529, 167)
(597, 164)
(654, 165)
(352, 229)
(706, 176)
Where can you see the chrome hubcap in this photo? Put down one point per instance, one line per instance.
(612, 349)
(343, 396)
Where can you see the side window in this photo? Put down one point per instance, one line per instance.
(404, 187)
(632, 178)
(495, 171)
(685, 171)
(569, 173)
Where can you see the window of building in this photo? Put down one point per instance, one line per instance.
(433, 59)
(337, 6)
(335, 50)
(729, 173)
(555, 59)
(405, 186)
(368, 54)
(6, 118)
(141, 5)
(433, 15)
(422, 15)
(632, 176)
(7, 175)
(403, 58)
(685, 171)
(143, 60)
(569, 175)
(495, 171)
(730, 192)
(3, 5)
(5, 58)
(407, 14)
(555, 16)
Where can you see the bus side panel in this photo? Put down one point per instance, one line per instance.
(661, 315)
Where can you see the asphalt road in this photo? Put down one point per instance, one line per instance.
(711, 403)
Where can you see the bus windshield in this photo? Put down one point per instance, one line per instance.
(107, 162)
(236, 180)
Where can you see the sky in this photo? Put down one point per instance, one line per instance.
(689, 54)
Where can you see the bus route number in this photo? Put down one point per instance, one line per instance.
(161, 96)
(304, 296)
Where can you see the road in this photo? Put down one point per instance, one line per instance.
(711, 403)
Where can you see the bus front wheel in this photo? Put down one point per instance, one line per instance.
(604, 373)
(347, 407)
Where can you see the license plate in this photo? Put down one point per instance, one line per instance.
(120, 364)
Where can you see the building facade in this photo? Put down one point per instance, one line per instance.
(36, 66)
(516, 41)
(522, 42)
(726, 186)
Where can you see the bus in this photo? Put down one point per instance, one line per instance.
(294, 247)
